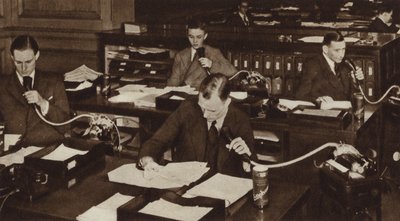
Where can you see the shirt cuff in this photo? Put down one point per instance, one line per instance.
(45, 110)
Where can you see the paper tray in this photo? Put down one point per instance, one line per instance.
(61, 169)
(129, 210)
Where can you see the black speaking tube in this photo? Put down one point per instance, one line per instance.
(201, 53)
(353, 68)
(227, 135)
(27, 81)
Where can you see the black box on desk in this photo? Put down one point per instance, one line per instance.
(171, 100)
(251, 105)
(130, 210)
(38, 176)
(351, 193)
(320, 118)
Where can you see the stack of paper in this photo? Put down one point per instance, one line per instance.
(163, 208)
(105, 211)
(62, 153)
(81, 86)
(171, 176)
(81, 74)
(222, 186)
(291, 104)
(140, 99)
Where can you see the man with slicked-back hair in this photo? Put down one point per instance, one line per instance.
(27, 88)
(188, 130)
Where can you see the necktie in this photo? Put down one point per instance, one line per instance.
(27, 83)
(336, 67)
(212, 149)
(246, 20)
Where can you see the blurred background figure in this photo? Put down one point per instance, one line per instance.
(241, 17)
(383, 22)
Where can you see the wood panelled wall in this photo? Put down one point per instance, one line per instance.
(65, 30)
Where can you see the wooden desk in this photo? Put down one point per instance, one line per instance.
(64, 204)
(298, 139)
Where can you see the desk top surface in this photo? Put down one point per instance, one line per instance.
(67, 204)
(100, 104)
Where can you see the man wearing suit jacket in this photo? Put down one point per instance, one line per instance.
(241, 18)
(383, 21)
(326, 77)
(189, 129)
(26, 88)
(191, 67)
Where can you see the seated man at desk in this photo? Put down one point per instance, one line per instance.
(26, 89)
(327, 76)
(193, 64)
(383, 21)
(241, 18)
(194, 130)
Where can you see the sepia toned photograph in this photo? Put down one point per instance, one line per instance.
(236, 110)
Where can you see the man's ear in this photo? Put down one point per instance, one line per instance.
(205, 36)
(325, 49)
(37, 55)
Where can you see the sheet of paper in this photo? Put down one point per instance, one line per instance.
(18, 157)
(265, 135)
(319, 39)
(62, 153)
(163, 208)
(222, 186)
(187, 89)
(175, 97)
(81, 86)
(127, 97)
(10, 139)
(343, 105)
(131, 87)
(239, 95)
(291, 104)
(105, 211)
(318, 112)
(171, 176)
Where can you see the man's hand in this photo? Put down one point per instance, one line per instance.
(359, 75)
(239, 146)
(324, 99)
(205, 62)
(33, 97)
(148, 164)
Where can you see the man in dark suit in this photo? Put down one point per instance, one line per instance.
(191, 65)
(383, 21)
(195, 122)
(241, 18)
(27, 88)
(326, 77)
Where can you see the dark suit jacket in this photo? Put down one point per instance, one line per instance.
(186, 129)
(377, 25)
(236, 20)
(186, 72)
(319, 80)
(21, 118)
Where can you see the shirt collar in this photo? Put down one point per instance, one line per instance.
(21, 78)
(331, 63)
(192, 53)
(220, 121)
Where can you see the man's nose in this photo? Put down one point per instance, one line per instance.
(24, 66)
